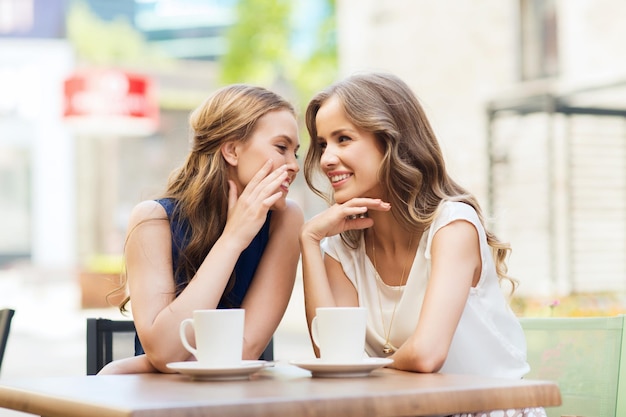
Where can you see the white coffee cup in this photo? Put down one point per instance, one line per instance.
(219, 336)
(339, 333)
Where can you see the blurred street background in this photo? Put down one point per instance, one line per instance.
(527, 97)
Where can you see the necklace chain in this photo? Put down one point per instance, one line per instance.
(387, 347)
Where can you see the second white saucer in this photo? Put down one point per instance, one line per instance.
(323, 369)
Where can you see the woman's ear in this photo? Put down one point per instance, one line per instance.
(229, 152)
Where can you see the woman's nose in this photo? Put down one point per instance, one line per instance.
(328, 158)
(292, 164)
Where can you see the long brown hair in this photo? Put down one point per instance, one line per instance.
(200, 186)
(413, 170)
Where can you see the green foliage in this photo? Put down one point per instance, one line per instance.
(258, 42)
(259, 51)
(320, 69)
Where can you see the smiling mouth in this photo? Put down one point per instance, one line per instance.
(337, 178)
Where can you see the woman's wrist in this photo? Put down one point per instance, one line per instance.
(307, 238)
(230, 243)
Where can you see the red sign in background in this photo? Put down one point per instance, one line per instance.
(111, 95)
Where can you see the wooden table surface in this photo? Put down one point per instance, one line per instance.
(283, 390)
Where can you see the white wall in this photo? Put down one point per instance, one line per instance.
(37, 103)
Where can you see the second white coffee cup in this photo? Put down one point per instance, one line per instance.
(218, 334)
(339, 333)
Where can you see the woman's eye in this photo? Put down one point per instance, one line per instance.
(322, 145)
(282, 148)
(343, 139)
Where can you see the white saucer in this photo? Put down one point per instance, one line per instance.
(201, 372)
(320, 368)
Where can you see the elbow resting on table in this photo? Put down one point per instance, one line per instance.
(431, 365)
(160, 364)
(423, 362)
(160, 359)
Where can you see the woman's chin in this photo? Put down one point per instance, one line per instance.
(340, 199)
(279, 205)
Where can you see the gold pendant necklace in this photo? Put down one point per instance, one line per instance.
(387, 347)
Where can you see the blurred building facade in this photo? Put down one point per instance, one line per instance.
(528, 99)
(66, 189)
(65, 205)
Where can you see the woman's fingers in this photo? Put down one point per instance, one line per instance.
(261, 174)
(265, 182)
(272, 182)
(261, 192)
(347, 216)
(357, 208)
(271, 200)
(249, 209)
(232, 194)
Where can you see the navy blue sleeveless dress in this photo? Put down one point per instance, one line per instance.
(244, 268)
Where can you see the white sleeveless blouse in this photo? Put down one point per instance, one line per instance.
(489, 339)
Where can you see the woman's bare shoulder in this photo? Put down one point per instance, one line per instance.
(291, 217)
(147, 210)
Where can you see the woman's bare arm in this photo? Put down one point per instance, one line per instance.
(456, 266)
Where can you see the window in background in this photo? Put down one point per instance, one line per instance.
(15, 214)
(16, 15)
(539, 43)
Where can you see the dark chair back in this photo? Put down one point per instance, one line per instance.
(6, 315)
(108, 340)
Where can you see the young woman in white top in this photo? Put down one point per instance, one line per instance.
(403, 239)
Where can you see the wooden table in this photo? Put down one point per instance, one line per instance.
(283, 390)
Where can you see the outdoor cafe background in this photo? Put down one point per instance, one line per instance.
(526, 96)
